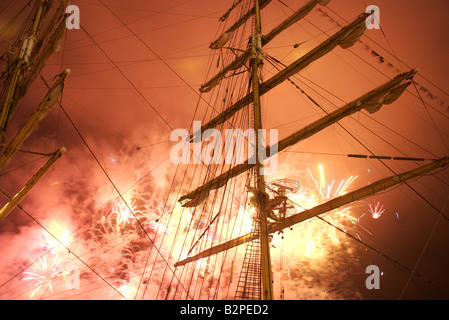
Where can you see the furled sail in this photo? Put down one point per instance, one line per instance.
(298, 15)
(225, 16)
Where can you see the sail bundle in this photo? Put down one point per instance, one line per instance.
(224, 38)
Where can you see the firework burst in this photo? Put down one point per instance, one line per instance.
(125, 212)
(46, 272)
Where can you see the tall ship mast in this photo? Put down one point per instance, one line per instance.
(256, 281)
(213, 226)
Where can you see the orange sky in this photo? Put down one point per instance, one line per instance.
(151, 87)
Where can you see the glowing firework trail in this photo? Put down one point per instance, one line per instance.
(59, 232)
(307, 198)
(376, 211)
(45, 273)
(125, 212)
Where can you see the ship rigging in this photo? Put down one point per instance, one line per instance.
(202, 230)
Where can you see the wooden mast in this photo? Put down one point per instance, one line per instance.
(262, 215)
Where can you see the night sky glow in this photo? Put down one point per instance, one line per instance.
(104, 222)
